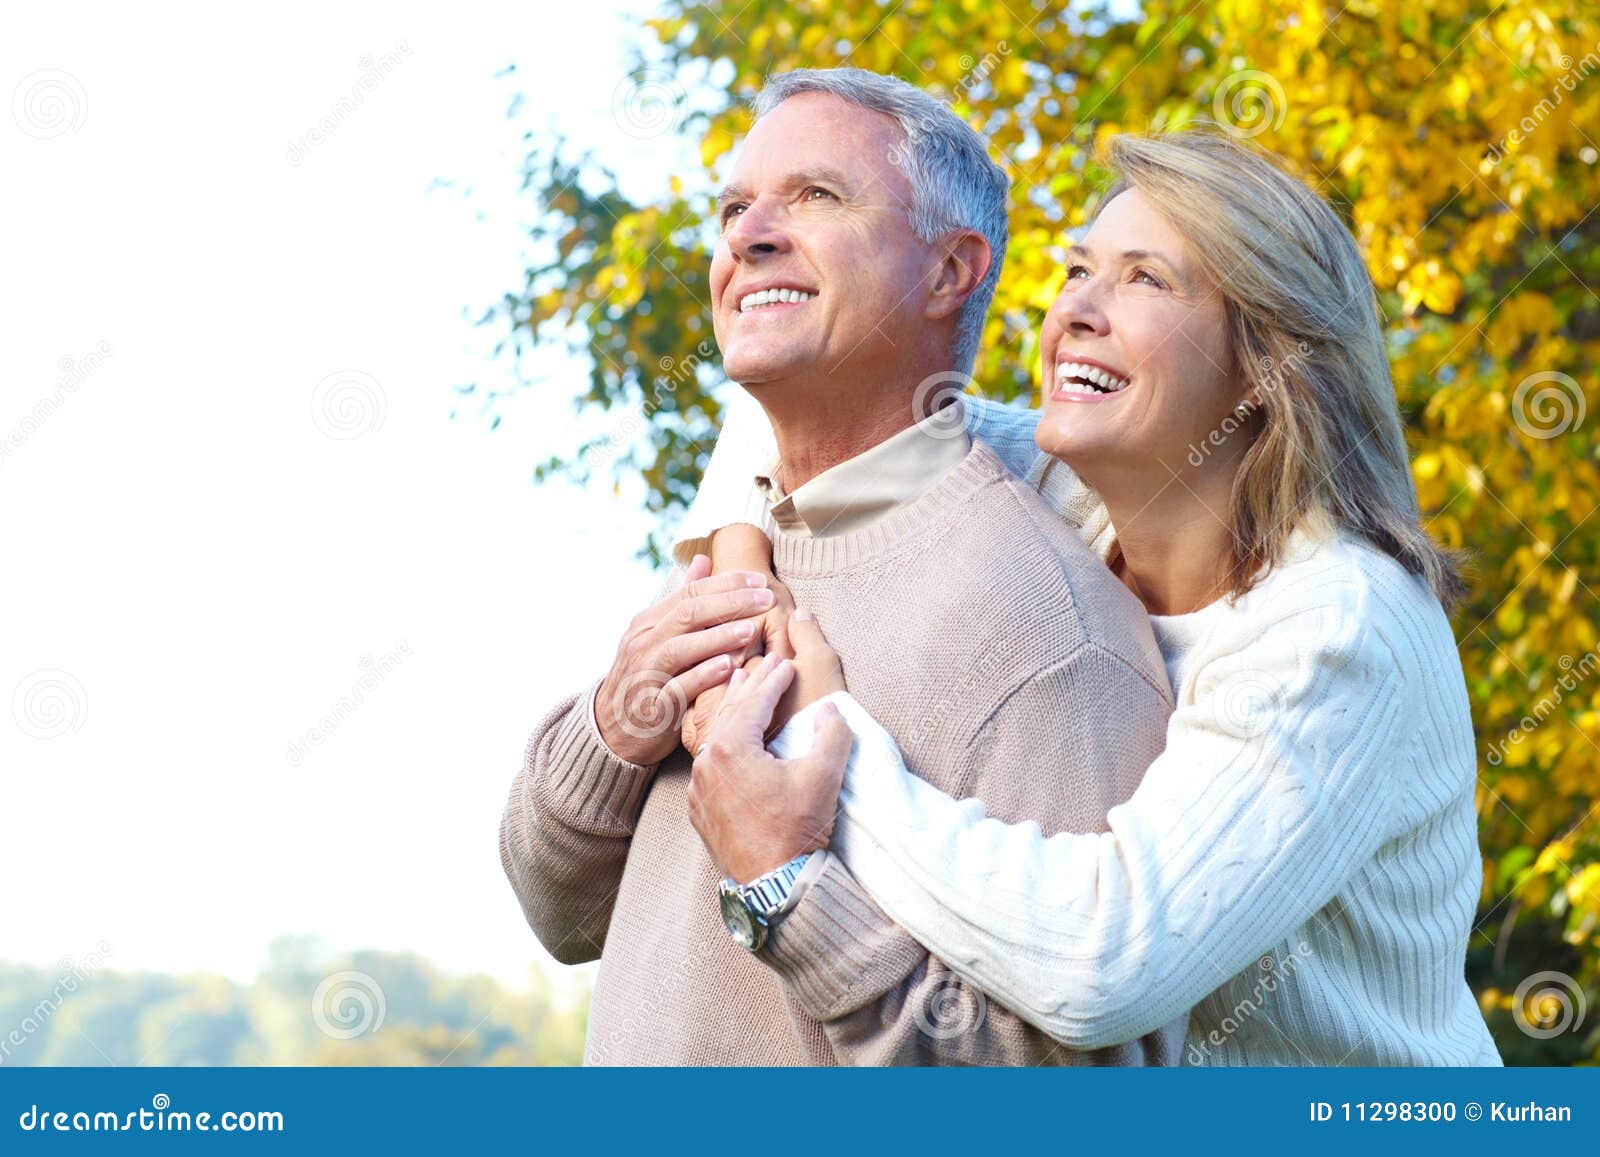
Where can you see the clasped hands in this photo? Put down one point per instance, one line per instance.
(721, 665)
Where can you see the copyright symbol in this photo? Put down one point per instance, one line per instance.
(1473, 1111)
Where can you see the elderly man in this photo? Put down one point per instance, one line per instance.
(862, 233)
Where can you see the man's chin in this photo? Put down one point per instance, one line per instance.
(755, 373)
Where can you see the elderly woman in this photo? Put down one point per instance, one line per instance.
(1300, 867)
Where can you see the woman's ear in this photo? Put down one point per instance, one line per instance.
(965, 263)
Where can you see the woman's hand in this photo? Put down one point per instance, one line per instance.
(742, 547)
(753, 811)
(817, 674)
(817, 670)
(697, 720)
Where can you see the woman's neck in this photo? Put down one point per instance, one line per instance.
(1174, 542)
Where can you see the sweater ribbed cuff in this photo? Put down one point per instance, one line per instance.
(586, 786)
(837, 950)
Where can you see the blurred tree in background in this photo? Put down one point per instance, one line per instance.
(365, 1008)
(1459, 140)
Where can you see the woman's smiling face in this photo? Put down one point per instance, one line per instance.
(1135, 349)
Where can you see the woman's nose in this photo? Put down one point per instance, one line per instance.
(1081, 311)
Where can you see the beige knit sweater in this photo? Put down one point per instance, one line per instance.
(1008, 664)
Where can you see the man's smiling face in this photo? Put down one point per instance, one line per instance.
(817, 268)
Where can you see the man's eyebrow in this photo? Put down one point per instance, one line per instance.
(820, 176)
(797, 179)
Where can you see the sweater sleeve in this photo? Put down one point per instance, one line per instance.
(568, 824)
(1273, 789)
(880, 995)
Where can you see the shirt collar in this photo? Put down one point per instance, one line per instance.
(860, 490)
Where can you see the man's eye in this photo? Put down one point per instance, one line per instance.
(1074, 270)
(811, 193)
(730, 212)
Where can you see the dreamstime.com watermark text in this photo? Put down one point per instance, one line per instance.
(160, 1117)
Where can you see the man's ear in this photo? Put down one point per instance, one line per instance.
(962, 268)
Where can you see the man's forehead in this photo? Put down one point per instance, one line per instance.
(818, 109)
(827, 137)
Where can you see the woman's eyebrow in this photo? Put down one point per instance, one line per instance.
(1135, 255)
(1127, 254)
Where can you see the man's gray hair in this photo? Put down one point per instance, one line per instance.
(954, 184)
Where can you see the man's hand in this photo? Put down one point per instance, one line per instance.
(673, 651)
(753, 811)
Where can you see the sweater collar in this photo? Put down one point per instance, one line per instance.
(800, 555)
(859, 491)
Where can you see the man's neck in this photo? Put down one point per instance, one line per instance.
(815, 430)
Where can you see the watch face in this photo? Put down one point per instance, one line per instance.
(740, 923)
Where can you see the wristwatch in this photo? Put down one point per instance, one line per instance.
(749, 910)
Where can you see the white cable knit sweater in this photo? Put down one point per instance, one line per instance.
(1299, 867)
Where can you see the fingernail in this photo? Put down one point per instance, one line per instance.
(755, 580)
(762, 598)
(744, 630)
(804, 615)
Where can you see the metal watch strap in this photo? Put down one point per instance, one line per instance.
(767, 892)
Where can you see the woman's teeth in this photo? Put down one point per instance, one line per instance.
(772, 297)
(1077, 378)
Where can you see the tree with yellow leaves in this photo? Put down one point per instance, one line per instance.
(1461, 141)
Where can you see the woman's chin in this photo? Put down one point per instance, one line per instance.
(1064, 437)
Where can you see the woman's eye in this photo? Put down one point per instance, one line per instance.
(1148, 278)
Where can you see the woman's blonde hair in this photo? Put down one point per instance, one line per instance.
(1328, 451)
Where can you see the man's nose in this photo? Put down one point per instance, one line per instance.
(759, 231)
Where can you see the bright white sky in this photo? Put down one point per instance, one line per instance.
(185, 542)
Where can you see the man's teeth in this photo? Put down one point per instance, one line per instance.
(1077, 378)
(772, 297)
